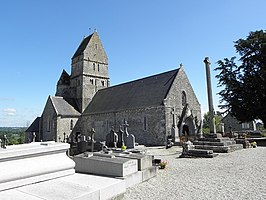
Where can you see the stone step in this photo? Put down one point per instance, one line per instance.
(215, 139)
(235, 147)
(200, 153)
(220, 149)
(216, 149)
(223, 143)
(208, 143)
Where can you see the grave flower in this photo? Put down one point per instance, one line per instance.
(253, 144)
(163, 164)
(123, 147)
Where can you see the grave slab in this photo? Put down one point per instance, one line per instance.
(29, 163)
(76, 186)
(105, 166)
(144, 161)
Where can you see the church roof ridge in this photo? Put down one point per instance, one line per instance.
(141, 79)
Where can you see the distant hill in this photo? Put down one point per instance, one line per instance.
(15, 135)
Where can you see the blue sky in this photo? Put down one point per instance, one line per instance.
(141, 38)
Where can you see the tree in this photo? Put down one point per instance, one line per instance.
(244, 84)
(206, 121)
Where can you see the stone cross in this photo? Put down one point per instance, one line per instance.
(175, 128)
(174, 113)
(125, 125)
(92, 139)
(209, 90)
(33, 137)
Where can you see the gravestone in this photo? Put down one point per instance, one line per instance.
(144, 161)
(111, 139)
(121, 141)
(82, 144)
(125, 134)
(98, 146)
(33, 137)
(130, 141)
(105, 165)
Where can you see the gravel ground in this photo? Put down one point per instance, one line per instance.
(237, 175)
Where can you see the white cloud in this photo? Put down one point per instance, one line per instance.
(10, 111)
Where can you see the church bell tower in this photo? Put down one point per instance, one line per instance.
(89, 70)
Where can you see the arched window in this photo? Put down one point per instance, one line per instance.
(98, 67)
(184, 98)
(71, 124)
(93, 66)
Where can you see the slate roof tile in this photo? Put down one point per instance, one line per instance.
(63, 108)
(142, 93)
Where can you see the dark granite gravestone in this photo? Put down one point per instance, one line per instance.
(121, 141)
(111, 139)
(130, 141)
(98, 146)
(82, 144)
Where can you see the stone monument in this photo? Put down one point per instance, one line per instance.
(210, 100)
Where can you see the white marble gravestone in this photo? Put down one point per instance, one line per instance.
(30, 163)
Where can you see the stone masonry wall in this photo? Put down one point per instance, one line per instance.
(64, 126)
(174, 99)
(48, 122)
(148, 124)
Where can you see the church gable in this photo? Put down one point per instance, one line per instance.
(182, 93)
(92, 49)
(142, 93)
(63, 108)
(64, 79)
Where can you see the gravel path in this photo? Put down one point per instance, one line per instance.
(237, 175)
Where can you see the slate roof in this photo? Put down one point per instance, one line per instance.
(34, 127)
(64, 79)
(62, 107)
(142, 93)
(82, 46)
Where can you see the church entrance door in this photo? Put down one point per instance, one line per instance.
(188, 130)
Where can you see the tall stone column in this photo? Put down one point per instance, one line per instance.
(210, 101)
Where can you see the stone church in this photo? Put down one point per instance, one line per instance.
(155, 107)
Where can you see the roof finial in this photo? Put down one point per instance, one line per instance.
(95, 30)
(181, 65)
